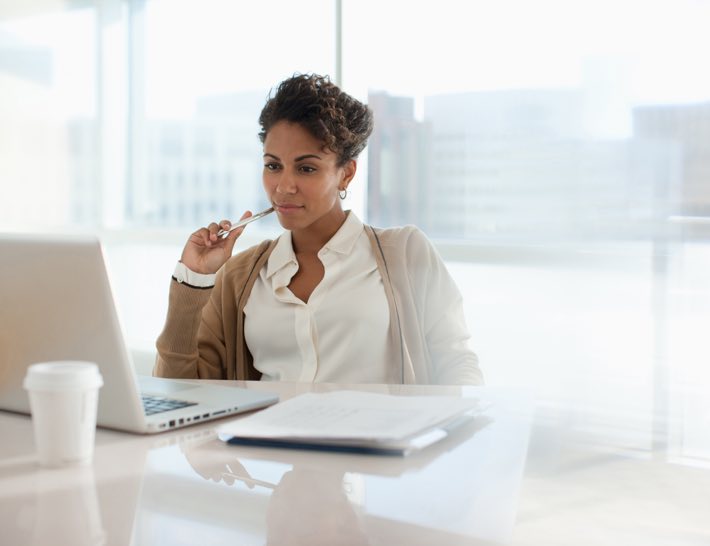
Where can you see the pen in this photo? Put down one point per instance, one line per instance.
(223, 232)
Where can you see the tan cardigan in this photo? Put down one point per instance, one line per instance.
(203, 336)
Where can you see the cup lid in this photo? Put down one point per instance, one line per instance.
(63, 375)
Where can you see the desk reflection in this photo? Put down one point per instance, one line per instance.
(75, 511)
(307, 506)
(324, 514)
(189, 487)
(56, 513)
(586, 482)
(309, 497)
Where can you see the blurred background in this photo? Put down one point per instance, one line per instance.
(556, 151)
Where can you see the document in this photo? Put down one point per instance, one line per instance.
(353, 421)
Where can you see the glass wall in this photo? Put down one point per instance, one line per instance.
(134, 114)
(556, 151)
(559, 152)
(543, 121)
(202, 71)
(49, 158)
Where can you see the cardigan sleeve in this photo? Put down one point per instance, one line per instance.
(441, 315)
(191, 345)
(203, 336)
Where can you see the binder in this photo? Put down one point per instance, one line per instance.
(354, 422)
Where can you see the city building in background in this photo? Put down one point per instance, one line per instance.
(524, 164)
(38, 157)
(685, 129)
(193, 172)
(184, 173)
(507, 165)
(398, 178)
(79, 146)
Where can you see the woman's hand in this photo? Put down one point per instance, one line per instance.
(205, 252)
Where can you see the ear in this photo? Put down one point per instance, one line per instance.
(349, 170)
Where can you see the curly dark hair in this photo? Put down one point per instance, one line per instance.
(341, 122)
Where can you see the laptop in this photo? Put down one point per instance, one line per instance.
(56, 304)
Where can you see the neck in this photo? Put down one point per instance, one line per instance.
(311, 239)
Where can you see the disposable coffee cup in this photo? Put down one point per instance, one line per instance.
(64, 397)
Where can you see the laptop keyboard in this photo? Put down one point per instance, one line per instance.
(157, 404)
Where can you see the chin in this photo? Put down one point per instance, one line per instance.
(290, 223)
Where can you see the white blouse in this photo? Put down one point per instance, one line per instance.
(340, 334)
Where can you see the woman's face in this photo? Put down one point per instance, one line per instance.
(302, 179)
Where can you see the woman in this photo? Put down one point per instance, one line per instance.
(330, 299)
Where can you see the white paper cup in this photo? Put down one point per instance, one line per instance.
(63, 398)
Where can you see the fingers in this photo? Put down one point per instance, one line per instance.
(212, 230)
(232, 235)
(206, 251)
(210, 234)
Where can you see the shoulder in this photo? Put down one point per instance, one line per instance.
(398, 235)
(405, 240)
(408, 250)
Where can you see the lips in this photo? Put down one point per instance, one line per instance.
(287, 207)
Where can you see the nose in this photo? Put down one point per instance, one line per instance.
(286, 184)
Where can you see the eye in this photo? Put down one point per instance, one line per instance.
(272, 166)
(307, 169)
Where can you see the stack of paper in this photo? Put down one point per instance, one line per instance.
(353, 421)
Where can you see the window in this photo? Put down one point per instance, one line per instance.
(557, 151)
(534, 121)
(48, 118)
(201, 73)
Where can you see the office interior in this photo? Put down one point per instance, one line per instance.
(556, 152)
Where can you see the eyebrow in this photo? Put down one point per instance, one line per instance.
(299, 158)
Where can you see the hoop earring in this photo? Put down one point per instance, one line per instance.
(342, 193)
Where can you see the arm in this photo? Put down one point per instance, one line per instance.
(440, 308)
(179, 354)
(191, 344)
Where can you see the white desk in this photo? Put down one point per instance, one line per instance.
(530, 475)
